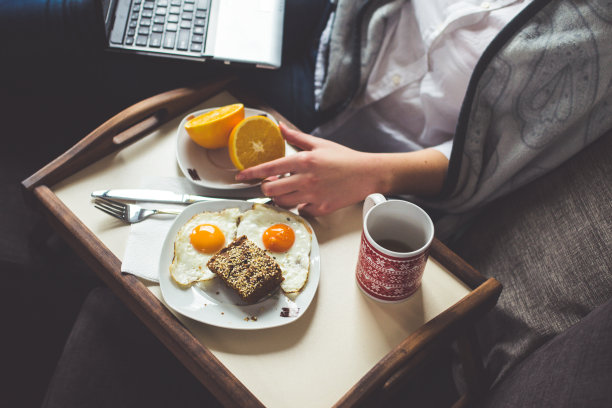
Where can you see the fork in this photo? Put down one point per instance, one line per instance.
(130, 213)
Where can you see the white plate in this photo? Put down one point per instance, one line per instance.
(211, 168)
(215, 304)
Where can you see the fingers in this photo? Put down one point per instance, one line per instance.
(271, 168)
(271, 178)
(287, 164)
(306, 209)
(314, 210)
(276, 186)
(289, 200)
(297, 138)
(286, 192)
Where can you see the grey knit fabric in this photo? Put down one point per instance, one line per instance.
(550, 245)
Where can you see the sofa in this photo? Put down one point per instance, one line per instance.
(548, 341)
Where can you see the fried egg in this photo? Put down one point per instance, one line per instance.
(198, 240)
(285, 236)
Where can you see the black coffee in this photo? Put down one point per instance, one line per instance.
(395, 245)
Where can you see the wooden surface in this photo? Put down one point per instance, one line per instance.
(136, 122)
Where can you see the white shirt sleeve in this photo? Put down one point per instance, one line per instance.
(445, 148)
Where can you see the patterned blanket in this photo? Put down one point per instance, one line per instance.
(540, 93)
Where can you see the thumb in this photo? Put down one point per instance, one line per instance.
(297, 138)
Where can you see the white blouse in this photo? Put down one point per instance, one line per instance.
(415, 90)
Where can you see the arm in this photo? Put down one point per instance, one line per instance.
(326, 176)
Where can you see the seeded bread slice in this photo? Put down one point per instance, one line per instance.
(246, 269)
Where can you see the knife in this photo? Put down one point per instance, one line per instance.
(163, 196)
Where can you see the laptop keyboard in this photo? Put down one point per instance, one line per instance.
(168, 25)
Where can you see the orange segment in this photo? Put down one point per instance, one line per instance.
(212, 129)
(255, 140)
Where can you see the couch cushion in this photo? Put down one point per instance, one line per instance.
(572, 370)
(549, 245)
(112, 360)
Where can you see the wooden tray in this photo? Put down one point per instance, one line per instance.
(138, 121)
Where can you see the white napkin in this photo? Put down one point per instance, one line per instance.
(146, 238)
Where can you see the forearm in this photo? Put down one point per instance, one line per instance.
(416, 173)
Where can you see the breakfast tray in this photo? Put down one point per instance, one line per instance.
(138, 121)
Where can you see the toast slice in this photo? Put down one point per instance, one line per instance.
(246, 269)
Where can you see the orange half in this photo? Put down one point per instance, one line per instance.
(255, 140)
(212, 129)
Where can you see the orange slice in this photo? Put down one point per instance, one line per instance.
(212, 129)
(255, 140)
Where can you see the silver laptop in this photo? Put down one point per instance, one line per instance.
(231, 31)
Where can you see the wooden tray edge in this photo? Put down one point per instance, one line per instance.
(154, 314)
(421, 344)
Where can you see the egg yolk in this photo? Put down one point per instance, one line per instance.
(278, 238)
(207, 238)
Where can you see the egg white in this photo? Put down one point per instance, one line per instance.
(295, 263)
(189, 264)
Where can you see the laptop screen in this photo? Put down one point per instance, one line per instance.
(107, 13)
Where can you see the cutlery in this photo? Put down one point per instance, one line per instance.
(130, 213)
(163, 196)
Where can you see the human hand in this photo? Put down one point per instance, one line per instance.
(321, 178)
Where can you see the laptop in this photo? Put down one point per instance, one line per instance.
(230, 31)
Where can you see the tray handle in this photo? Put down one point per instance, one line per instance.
(422, 345)
(123, 129)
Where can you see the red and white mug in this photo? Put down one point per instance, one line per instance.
(394, 248)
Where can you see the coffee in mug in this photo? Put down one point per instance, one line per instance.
(394, 248)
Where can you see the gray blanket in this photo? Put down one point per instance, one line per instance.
(540, 93)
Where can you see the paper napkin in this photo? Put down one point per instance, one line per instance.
(145, 240)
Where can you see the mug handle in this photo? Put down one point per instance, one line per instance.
(371, 201)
